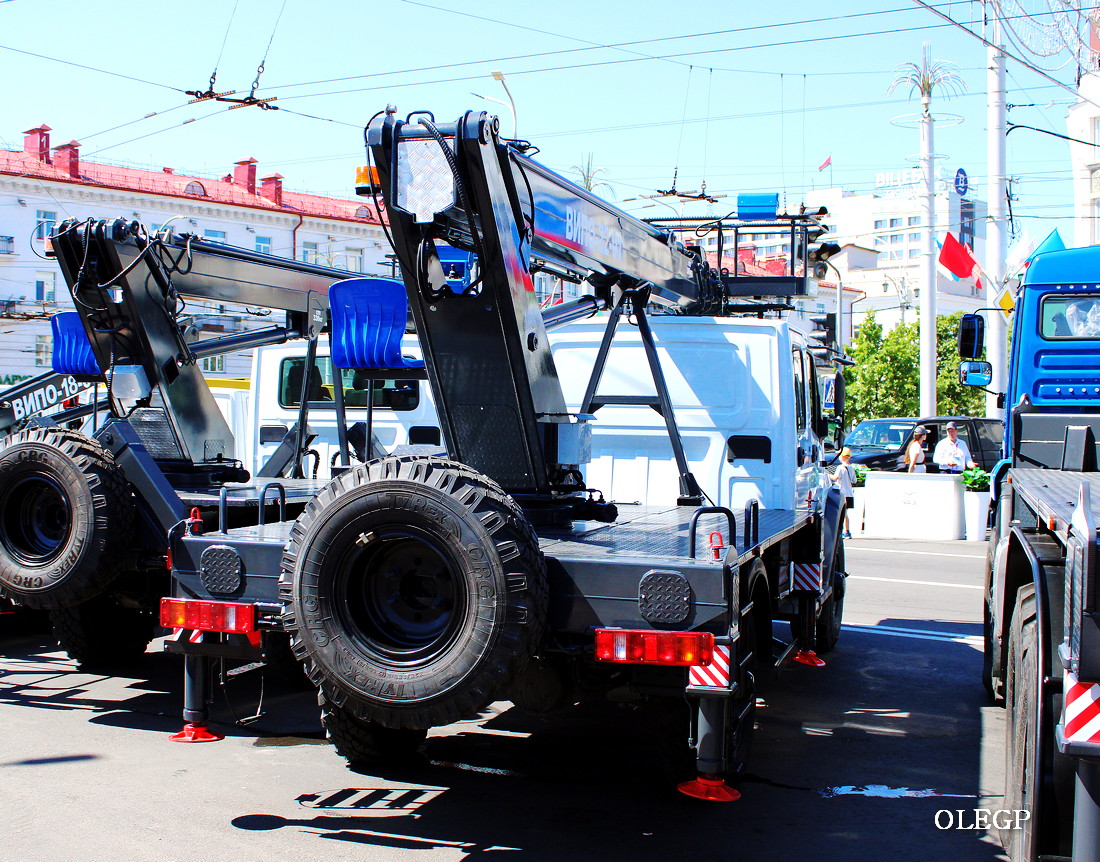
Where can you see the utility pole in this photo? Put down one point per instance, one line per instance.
(996, 241)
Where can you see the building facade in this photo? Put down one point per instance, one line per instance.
(41, 186)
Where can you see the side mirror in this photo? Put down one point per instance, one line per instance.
(975, 373)
(838, 395)
(971, 336)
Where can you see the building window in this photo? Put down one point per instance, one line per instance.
(914, 221)
(914, 252)
(308, 253)
(215, 364)
(43, 350)
(1096, 222)
(45, 286)
(895, 238)
(353, 259)
(217, 236)
(895, 222)
(966, 223)
(364, 212)
(263, 244)
(880, 224)
(194, 189)
(914, 237)
(45, 221)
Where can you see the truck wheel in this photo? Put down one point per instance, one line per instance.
(1023, 761)
(365, 743)
(102, 633)
(415, 590)
(832, 611)
(65, 517)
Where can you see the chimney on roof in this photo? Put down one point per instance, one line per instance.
(244, 174)
(67, 158)
(36, 142)
(272, 188)
(169, 170)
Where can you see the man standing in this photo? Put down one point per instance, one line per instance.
(952, 454)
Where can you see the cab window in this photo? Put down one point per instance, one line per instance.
(1076, 316)
(799, 390)
(401, 395)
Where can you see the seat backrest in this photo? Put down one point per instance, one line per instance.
(368, 321)
(72, 352)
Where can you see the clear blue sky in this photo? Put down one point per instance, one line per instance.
(755, 106)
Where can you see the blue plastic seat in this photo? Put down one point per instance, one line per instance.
(72, 352)
(368, 322)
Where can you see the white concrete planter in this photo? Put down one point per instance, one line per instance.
(976, 513)
(913, 506)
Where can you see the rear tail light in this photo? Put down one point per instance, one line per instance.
(650, 647)
(198, 615)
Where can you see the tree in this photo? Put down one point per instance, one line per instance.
(885, 378)
(590, 175)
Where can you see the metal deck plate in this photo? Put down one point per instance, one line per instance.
(1060, 490)
(656, 532)
(248, 493)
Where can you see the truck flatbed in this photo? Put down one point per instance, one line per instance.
(1053, 494)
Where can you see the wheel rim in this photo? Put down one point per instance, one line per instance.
(37, 520)
(401, 597)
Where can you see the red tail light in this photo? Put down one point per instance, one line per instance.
(649, 647)
(199, 615)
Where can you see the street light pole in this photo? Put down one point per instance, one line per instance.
(928, 266)
(998, 218)
(515, 120)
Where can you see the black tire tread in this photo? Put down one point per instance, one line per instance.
(104, 556)
(513, 537)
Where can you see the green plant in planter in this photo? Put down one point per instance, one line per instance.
(861, 476)
(975, 479)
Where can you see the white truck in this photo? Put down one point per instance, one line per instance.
(728, 379)
(632, 507)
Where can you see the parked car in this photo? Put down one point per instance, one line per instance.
(880, 444)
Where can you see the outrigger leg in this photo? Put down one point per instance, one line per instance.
(195, 714)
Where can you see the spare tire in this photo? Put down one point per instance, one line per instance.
(415, 589)
(65, 518)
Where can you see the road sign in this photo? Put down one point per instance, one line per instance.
(1005, 301)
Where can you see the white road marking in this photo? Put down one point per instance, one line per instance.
(918, 553)
(921, 583)
(917, 634)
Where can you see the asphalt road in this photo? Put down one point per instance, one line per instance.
(851, 762)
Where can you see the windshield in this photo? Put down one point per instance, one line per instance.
(883, 434)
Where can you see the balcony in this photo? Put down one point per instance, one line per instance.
(7, 245)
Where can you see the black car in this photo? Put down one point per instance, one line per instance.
(880, 444)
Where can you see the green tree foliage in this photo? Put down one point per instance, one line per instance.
(885, 380)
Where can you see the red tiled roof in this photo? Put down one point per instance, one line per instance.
(171, 184)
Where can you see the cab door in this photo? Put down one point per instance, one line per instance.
(808, 447)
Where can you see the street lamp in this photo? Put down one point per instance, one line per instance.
(902, 291)
(515, 120)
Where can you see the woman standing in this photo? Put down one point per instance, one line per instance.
(914, 455)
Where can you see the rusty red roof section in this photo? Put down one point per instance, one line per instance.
(269, 195)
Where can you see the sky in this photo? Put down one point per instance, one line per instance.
(741, 97)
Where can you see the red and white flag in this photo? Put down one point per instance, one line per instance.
(826, 163)
(958, 259)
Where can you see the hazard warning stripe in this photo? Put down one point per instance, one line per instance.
(1082, 713)
(717, 673)
(806, 576)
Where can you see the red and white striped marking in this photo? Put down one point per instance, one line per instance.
(716, 674)
(192, 635)
(1082, 715)
(806, 576)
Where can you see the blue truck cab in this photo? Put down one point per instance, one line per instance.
(1042, 597)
